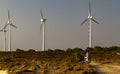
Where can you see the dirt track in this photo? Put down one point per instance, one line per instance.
(106, 68)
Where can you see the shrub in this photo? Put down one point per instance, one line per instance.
(76, 57)
(19, 50)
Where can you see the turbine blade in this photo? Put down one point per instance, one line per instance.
(44, 22)
(89, 8)
(13, 25)
(41, 13)
(1, 30)
(83, 21)
(8, 15)
(41, 28)
(5, 26)
(4, 30)
(95, 21)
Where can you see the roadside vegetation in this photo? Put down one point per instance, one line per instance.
(105, 55)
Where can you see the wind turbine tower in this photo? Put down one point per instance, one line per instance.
(4, 34)
(9, 24)
(43, 20)
(90, 19)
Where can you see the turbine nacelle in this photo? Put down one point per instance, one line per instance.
(90, 17)
(43, 20)
(8, 22)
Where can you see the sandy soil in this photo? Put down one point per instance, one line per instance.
(105, 68)
(3, 72)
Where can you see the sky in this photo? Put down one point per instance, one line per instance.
(63, 29)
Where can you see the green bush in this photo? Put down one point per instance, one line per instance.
(76, 57)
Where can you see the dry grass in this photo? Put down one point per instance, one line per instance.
(56, 61)
(48, 62)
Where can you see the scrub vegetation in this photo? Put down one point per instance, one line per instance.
(69, 61)
(106, 55)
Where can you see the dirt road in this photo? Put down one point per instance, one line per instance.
(105, 68)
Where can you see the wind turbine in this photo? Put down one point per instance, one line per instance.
(4, 34)
(9, 24)
(90, 19)
(43, 20)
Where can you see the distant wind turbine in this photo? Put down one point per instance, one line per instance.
(4, 34)
(90, 19)
(43, 20)
(9, 24)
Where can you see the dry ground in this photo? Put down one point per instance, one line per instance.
(106, 68)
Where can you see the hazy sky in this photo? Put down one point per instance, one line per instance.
(63, 28)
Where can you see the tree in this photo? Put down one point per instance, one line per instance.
(19, 50)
